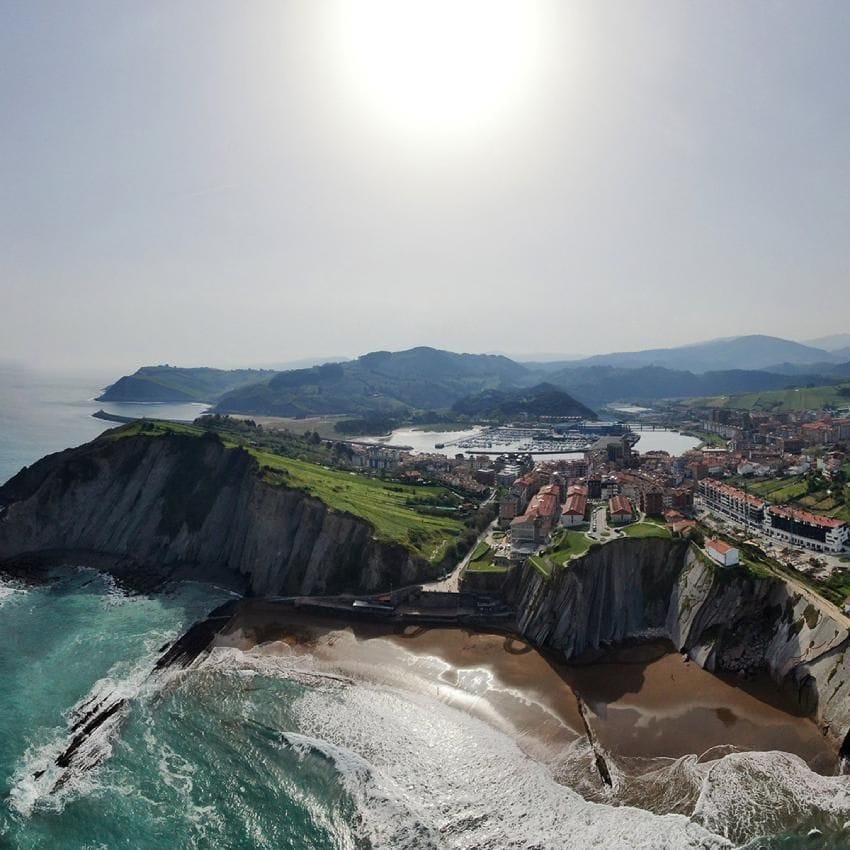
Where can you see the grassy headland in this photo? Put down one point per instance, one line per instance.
(430, 520)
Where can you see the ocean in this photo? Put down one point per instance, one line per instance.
(338, 741)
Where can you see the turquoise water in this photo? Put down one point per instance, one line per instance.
(246, 751)
(178, 772)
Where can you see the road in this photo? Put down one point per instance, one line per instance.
(451, 583)
(599, 528)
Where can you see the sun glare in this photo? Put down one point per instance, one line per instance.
(438, 68)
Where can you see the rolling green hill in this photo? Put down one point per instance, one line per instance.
(597, 385)
(176, 384)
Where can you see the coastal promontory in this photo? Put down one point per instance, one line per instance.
(152, 502)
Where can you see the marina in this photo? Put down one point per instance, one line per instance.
(496, 440)
(534, 441)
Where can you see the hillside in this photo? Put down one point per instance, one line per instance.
(540, 400)
(809, 372)
(745, 352)
(177, 384)
(598, 385)
(421, 381)
(833, 342)
(801, 398)
(381, 382)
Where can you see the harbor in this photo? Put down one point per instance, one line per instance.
(536, 441)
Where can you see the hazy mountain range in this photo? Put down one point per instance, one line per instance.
(427, 379)
(744, 352)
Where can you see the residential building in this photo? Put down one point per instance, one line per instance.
(731, 501)
(652, 502)
(722, 553)
(574, 511)
(507, 511)
(802, 528)
(620, 510)
(540, 517)
(524, 488)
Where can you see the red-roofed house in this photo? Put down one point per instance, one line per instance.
(722, 553)
(539, 518)
(575, 510)
(682, 528)
(620, 509)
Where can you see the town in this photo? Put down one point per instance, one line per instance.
(771, 483)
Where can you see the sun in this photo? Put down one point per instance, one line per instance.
(437, 68)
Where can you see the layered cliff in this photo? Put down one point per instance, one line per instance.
(150, 508)
(726, 620)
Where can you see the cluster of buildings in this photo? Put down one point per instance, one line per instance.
(786, 523)
(539, 519)
(788, 432)
(458, 473)
(561, 493)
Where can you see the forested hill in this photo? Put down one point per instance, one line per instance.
(177, 384)
(541, 400)
(379, 382)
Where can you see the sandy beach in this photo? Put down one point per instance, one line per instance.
(655, 705)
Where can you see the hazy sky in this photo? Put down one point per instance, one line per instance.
(248, 182)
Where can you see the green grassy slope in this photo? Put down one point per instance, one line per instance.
(777, 401)
(394, 509)
(646, 529)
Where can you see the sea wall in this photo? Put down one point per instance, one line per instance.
(153, 508)
(728, 621)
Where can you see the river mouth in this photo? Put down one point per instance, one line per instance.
(647, 705)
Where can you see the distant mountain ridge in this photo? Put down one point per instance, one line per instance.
(599, 385)
(833, 342)
(424, 379)
(752, 352)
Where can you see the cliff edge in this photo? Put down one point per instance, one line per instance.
(153, 508)
(727, 620)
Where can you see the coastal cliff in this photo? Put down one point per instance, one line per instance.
(149, 509)
(728, 621)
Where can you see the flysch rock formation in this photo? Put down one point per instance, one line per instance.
(727, 621)
(153, 508)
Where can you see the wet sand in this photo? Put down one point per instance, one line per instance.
(671, 707)
(654, 705)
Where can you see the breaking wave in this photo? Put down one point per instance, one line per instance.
(249, 749)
